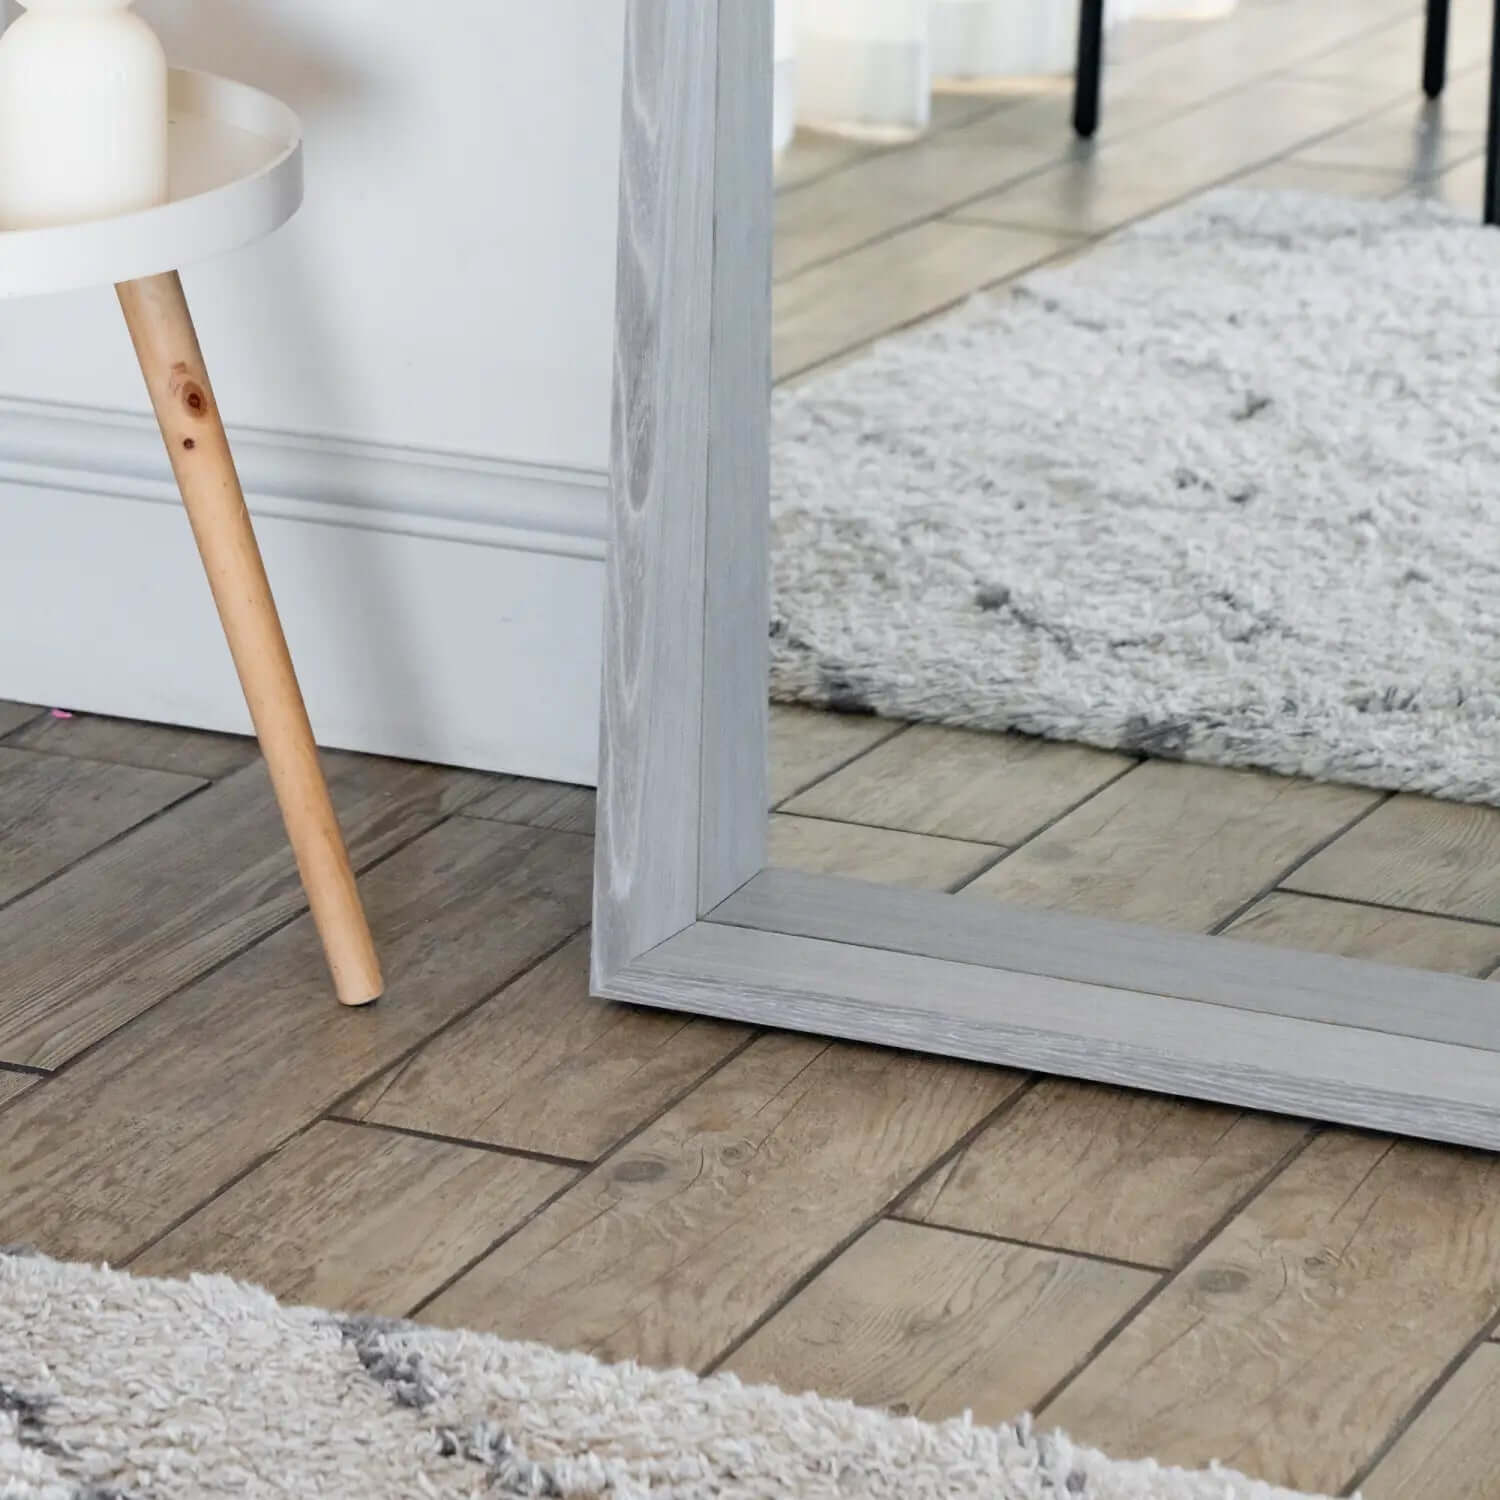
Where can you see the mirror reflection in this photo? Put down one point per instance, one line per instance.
(1133, 546)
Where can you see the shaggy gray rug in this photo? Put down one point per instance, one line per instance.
(119, 1389)
(1227, 488)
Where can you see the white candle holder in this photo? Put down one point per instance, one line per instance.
(83, 113)
(235, 174)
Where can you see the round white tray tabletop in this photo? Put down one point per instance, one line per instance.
(236, 174)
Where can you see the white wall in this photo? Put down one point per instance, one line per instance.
(427, 353)
(450, 280)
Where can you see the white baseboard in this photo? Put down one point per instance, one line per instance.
(439, 607)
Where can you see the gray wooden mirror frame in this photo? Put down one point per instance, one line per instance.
(686, 915)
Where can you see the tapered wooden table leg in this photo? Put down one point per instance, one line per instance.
(167, 346)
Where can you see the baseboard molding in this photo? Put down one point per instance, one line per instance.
(440, 606)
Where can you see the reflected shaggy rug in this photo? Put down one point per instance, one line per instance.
(1226, 488)
(113, 1388)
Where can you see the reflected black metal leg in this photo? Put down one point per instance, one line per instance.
(1492, 140)
(1435, 55)
(1090, 62)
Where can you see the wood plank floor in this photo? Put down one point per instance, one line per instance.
(492, 1148)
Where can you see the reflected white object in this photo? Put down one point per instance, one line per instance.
(83, 114)
(1176, 10)
(864, 67)
(784, 97)
(1002, 38)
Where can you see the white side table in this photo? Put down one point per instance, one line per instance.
(236, 174)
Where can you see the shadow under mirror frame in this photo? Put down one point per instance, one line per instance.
(687, 917)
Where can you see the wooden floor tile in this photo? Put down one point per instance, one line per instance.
(1409, 141)
(672, 1249)
(158, 747)
(1174, 845)
(13, 715)
(1296, 1341)
(1389, 55)
(131, 1137)
(995, 788)
(935, 1324)
(1146, 34)
(1156, 89)
(889, 192)
(13, 1085)
(1461, 188)
(132, 923)
(1227, 57)
(809, 743)
(960, 101)
(1432, 856)
(812, 154)
(1314, 925)
(54, 810)
(1081, 1166)
(357, 1219)
(544, 1067)
(1148, 171)
(831, 309)
(1453, 1449)
(1312, 177)
(542, 804)
(818, 846)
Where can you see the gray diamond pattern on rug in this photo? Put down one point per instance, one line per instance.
(116, 1388)
(1226, 488)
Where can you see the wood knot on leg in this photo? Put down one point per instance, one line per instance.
(191, 393)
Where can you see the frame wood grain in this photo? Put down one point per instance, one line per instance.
(736, 591)
(651, 724)
(685, 915)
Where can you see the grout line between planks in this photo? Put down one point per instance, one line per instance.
(1404, 1423)
(1072, 149)
(614, 1150)
(1224, 923)
(1077, 243)
(494, 1148)
(1042, 828)
(26, 724)
(1288, 1157)
(26, 1069)
(321, 1115)
(802, 1282)
(109, 843)
(1020, 1244)
(301, 911)
(1410, 911)
(914, 833)
(898, 728)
